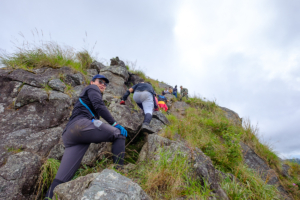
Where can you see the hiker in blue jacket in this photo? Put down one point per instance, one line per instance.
(84, 128)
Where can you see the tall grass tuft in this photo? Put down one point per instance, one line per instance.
(46, 54)
(47, 175)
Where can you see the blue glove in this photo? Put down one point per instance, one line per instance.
(122, 129)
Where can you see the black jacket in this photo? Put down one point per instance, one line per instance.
(92, 97)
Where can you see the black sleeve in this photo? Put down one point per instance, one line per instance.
(126, 95)
(96, 100)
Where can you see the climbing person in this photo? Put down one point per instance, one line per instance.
(84, 128)
(166, 91)
(175, 91)
(144, 96)
(183, 93)
(162, 102)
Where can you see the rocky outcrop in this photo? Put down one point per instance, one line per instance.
(201, 164)
(108, 185)
(253, 161)
(97, 66)
(117, 77)
(18, 176)
(233, 116)
(34, 110)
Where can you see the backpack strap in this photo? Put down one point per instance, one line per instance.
(86, 107)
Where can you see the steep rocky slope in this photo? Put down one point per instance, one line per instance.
(35, 106)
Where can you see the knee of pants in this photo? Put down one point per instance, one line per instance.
(117, 135)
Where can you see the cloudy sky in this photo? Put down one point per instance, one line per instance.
(243, 54)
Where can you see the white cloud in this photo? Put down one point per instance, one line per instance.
(226, 48)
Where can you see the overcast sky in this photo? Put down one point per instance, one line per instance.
(243, 54)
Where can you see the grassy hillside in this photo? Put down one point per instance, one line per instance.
(204, 126)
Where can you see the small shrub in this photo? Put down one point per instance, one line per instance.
(14, 150)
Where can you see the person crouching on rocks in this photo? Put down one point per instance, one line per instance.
(144, 96)
(84, 128)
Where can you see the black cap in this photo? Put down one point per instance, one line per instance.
(100, 76)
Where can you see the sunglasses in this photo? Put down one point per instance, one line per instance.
(102, 82)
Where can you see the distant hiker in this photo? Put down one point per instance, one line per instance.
(166, 91)
(170, 90)
(162, 102)
(143, 95)
(175, 91)
(84, 128)
(183, 93)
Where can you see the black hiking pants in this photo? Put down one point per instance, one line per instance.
(77, 139)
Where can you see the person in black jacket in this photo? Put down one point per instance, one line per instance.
(84, 128)
(175, 91)
(144, 96)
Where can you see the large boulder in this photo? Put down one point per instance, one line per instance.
(57, 84)
(97, 65)
(19, 175)
(108, 185)
(38, 142)
(130, 119)
(201, 164)
(29, 94)
(232, 116)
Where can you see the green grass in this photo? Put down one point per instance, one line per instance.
(47, 88)
(250, 186)
(14, 150)
(69, 90)
(47, 54)
(169, 177)
(47, 175)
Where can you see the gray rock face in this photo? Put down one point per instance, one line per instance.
(57, 84)
(233, 116)
(107, 185)
(76, 92)
(74, 79)
(178, 108)
(29, 94)
(18, 175)
(32, 141)
(253, 161)
(202, 164)
(73, 190)
(158, 115)
(93, 153)
(285, 170)
(164, 85)
(117, 77)
(134, 79)
(129, 119)
(91, 73)
(97, 65)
